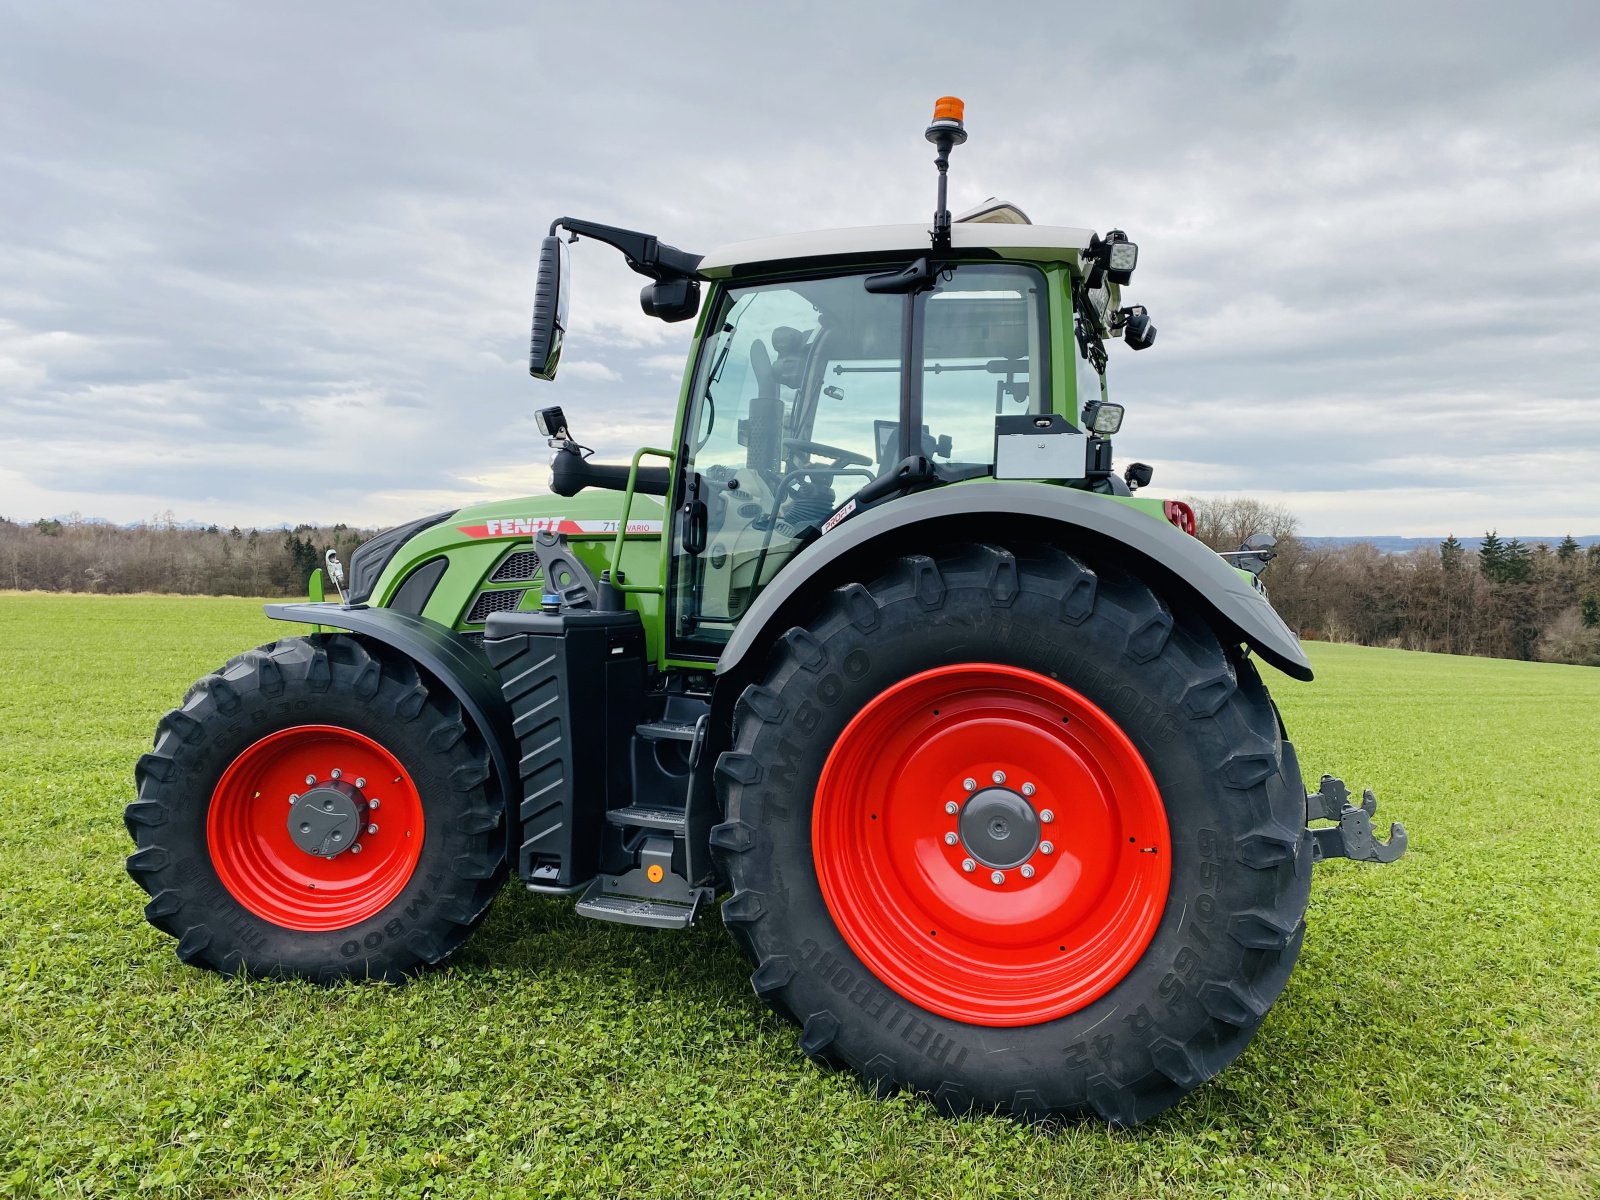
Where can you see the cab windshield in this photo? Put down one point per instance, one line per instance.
(801, 397)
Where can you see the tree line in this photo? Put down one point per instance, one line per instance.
(161, 556)
(1507, 599)
(1504, 600)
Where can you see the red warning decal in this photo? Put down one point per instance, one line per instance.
(509, 527)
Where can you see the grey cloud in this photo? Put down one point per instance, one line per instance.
(285, 252)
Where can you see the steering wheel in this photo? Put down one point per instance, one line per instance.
(841, 457)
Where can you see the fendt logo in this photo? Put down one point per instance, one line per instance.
(505, 527)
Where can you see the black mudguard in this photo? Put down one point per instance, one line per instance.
(442, 653)
(1072, 519)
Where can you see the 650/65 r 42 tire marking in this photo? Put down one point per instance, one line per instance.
(257, 859)
(991, 844)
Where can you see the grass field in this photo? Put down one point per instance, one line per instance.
(1441, 1036)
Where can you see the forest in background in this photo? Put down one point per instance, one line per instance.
(1507, 599)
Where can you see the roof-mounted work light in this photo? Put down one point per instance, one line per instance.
(1102, 418)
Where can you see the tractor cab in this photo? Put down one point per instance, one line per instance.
(839, 370)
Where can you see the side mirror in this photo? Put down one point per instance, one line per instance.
(671, 299)
(550, 296)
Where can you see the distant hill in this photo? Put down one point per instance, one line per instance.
(1399, 545)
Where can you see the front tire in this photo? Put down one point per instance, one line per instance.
(1110, 973)
(317, 809)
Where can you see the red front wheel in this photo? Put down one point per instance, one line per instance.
(316, 809)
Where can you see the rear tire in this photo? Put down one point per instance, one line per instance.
(1176, 999)
(215, 849)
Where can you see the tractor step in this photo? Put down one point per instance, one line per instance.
(633, 910)
(640, 816)
(652, 893)
(668, 731)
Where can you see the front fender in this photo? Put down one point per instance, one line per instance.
(447, 656)
(1072, 519)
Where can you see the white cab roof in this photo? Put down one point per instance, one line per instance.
(1033, 241)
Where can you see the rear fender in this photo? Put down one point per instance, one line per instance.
(1181, 567)
(446, 656)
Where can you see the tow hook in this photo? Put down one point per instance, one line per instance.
(1352, 836)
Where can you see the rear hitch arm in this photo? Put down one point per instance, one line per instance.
(1352, 836)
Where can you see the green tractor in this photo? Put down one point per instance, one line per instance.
(968, 731)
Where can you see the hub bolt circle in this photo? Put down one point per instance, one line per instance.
(998, 877)
(998, 777)
(1028, 789)
(968, 865)
(1047, 848)
(1027, 870)
(970, 784)
(951, 839)
(1047, 816)
(952, 807)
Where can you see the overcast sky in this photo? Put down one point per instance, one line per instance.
(273, 262)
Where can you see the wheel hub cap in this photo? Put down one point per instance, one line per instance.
(999, 828)
(327, 820)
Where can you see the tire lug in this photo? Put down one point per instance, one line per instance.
(952, 807)
(970, 784)
(997, 878)
(968, 865)
(1027, 870)
(950, 839)
(1028, 789)
(998, 777)
(1047, 816)
(1047, 848)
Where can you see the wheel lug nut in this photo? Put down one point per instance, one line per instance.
(1047, 848)
(355, 848)
(998, 777)
(1047, 816)
(1028, 789)
(310, 779)
(336, 772)
(360, 782)
(950, 839)
(1027, 870)
(373, 803)
(998, 877)
(970, 784)
(952, 807)
(293, 796)
(372, 829)
(968, 865)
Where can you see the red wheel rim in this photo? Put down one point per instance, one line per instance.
(1033, 947)
(247, 829)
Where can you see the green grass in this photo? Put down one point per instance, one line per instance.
(1440, 1037)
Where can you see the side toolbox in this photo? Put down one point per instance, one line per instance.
(575, 682)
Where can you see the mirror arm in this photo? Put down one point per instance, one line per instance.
(646, 253)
